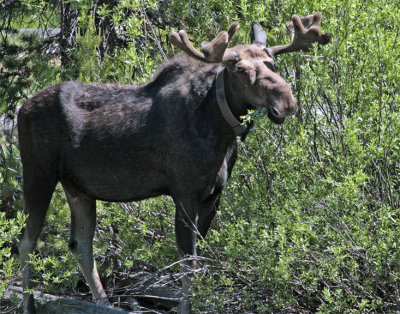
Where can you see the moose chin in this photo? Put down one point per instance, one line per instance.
(175, 135)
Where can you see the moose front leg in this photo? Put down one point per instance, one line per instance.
(186, 234)
(207, 212)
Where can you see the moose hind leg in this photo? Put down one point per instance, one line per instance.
(38, 188)
(186, 233)
(83, 223)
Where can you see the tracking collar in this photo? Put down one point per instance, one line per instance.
(238, 128)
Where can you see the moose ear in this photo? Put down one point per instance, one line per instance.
(258, 35)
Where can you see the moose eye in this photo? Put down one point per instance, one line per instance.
(239, 69)
(270, 65)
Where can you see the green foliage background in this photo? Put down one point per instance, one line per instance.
(310, 219)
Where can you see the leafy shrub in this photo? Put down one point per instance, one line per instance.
(9, 230)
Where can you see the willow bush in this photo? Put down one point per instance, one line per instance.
(310, 219)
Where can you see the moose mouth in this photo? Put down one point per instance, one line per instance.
(275, 119)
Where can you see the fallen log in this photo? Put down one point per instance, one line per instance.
(47, 303)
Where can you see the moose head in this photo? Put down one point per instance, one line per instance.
(250, 68)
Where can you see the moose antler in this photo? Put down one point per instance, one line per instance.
(303, 33)
(212, 52)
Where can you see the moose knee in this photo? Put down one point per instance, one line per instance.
(79, 248)
(25, 247)
(72, 245)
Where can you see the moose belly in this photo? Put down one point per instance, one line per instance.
(115, 179)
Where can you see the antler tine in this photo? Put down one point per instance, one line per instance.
(181, 41)
(303, 33)
(212, 52)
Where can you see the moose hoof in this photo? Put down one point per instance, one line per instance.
(184, 307)
(29, 306)
(103, 302)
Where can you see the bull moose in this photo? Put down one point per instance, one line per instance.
(175, 135)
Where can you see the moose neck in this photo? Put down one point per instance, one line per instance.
(233, 97)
